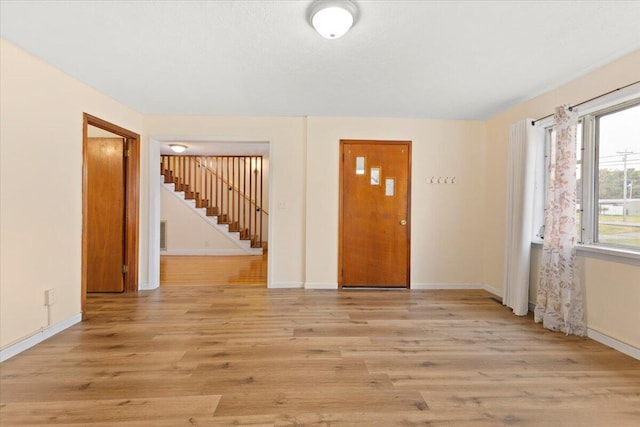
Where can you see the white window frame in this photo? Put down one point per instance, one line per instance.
(587, 239)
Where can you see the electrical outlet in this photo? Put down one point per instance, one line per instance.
(49, 297)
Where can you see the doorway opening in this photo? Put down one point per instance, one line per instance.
(109, 149)
(211, 212)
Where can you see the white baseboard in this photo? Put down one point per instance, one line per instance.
(492, 290)
(320, 285)
(620, 346)
(418, 286)
(38, 337)
(625, 348)
(148, 286)
(427, 286)
(286, 285)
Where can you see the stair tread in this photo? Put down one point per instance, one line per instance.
(214, 214)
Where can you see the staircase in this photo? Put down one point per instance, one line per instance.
(226, 190)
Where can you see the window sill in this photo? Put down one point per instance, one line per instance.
(606, 253)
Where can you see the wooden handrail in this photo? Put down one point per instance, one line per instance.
(219, 189)
(243, 193)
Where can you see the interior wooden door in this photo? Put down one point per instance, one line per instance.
(374, 214)
(105, 214)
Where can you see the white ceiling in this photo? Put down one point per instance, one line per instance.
(218, 148)
(453, 60)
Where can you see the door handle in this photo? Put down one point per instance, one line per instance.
(403, 222)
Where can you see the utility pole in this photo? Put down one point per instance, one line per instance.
(624, 154)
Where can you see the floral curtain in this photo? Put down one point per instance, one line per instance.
(559, 301)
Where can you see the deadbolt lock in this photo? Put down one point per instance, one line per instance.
(403, 222)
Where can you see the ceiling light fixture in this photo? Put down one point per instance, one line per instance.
(177, 148)
(332, 18)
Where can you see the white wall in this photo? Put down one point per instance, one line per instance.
(304, 183)
(612, 289)
(187, 232)
(41, 189)
(444, 218)
(611, 295)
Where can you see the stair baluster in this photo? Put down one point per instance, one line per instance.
(228, 187)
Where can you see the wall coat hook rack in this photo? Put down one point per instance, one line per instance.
(441, 180)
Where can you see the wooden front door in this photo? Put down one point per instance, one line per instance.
(105, 214)
(374, 214)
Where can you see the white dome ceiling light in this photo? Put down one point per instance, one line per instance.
(177, 148)
(332, 18)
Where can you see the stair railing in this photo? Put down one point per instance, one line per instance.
(229, 187)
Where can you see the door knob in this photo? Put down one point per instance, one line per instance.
(403, 222)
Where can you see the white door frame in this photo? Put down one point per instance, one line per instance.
(154, 203)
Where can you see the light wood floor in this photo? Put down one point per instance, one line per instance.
(213, 270)
(246, 355)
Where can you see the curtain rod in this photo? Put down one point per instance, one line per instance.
(533, 122)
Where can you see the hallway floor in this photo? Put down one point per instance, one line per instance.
(213, 270)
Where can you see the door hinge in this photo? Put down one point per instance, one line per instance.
(126, 152)
(125, 269)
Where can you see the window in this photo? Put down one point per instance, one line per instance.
(617, 135)
(607, 176)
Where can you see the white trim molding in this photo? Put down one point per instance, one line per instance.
(148, 286)
(615, 344)
(609, 254)
(453, 286)
(620, 346)
(320, 285)
(492, 290)
(38, 337)
(431, 286)
(286, 285)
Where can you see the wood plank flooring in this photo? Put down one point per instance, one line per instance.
(245, 355)
(213, 270)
